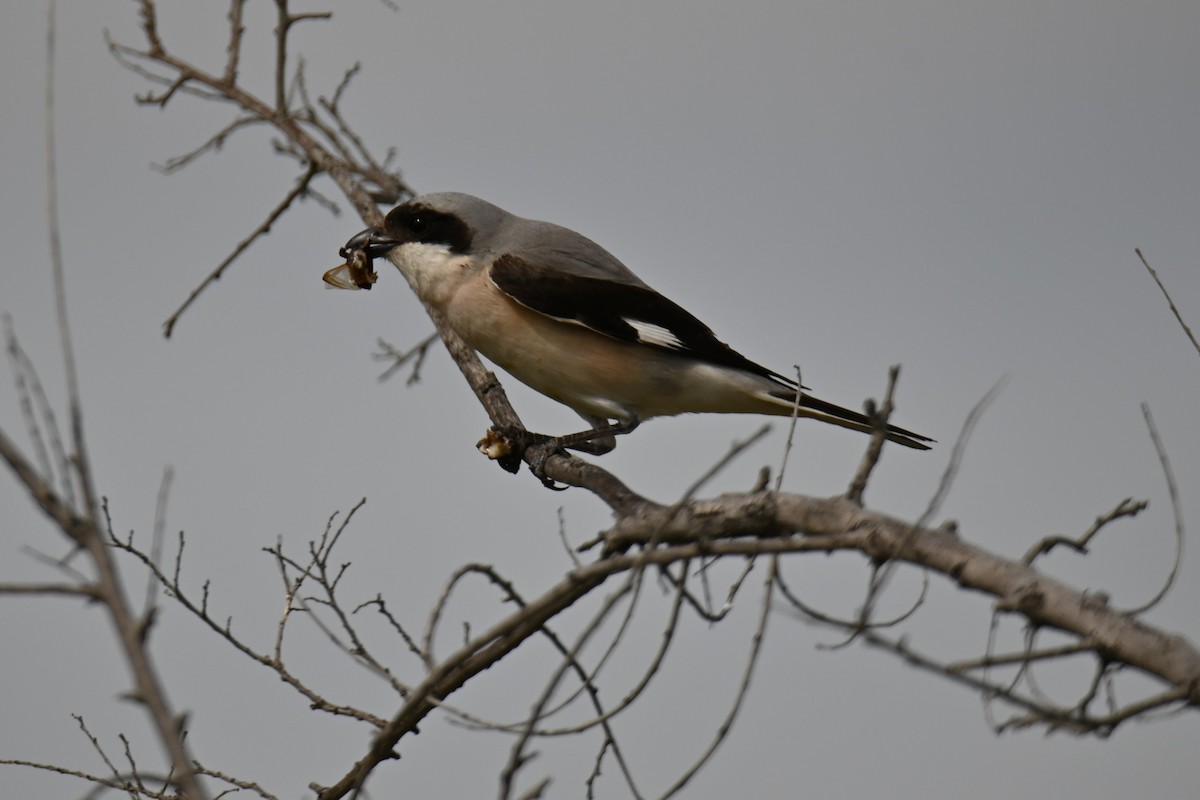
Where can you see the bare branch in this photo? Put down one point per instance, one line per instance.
(743, 687)
(234, 48)
(23, 377)
(34, 403)
(562, 536)
(736, 448)
(856, 625)
(879, 420)
(119, 782)
(297, 191)
(1126, 508)
(912, 657)
(1024, 657)
(199, 609)
(156, 539)
(736, 525)
(570, 661)
(787, 447)
(341, 173)
(74, 403)
(213, 143)
(1170, 302)
(381, 608)
(116, 775)
(66, 589)
(415, 354)
(1176, 512)
(958, 452)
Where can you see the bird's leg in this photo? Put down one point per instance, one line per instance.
(595, 441)
(598, 440)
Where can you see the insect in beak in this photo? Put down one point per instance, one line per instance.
(356, 273)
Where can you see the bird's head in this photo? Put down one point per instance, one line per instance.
(450, 219)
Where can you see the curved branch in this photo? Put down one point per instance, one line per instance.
(770, 524)
(836, 524)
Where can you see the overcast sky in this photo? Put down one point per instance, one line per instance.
(957, 187)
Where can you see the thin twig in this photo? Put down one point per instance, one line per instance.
(736, 448)
(1126, 508)
(35, 404)
(1170, 302)
(569, 662)
(156, 539)
(234, 48)
(787, 447)
(212, 143)
(879, 424)
(281, 34)
(415, 354)
(119, 782)
(1083, 646)
(56, 267)
(743, 686)
(66, 589)
(856, 624)
(381, 608)
(958, 452)
(248, 786)
(200, 610)
(297, 191)
(1176, 511)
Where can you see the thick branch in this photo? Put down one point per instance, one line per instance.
(1016, 587)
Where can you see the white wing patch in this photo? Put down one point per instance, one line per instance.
(654, 334)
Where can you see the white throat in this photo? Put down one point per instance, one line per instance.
(432, 270)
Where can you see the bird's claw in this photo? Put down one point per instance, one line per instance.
(537, 463)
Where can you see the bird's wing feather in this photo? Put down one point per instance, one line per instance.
(626, 311)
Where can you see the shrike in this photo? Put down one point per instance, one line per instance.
(563, 316)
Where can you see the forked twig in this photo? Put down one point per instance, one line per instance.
(415, 354)
(1126, 508)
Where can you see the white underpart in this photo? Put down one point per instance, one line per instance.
(654, 334)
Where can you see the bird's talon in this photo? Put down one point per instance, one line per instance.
(542, 451)
(552, 486)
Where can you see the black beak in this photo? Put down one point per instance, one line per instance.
(372, 241)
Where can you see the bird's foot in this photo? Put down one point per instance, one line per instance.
(507, 446)
(542, 452)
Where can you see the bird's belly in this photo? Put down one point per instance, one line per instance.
(592, 373)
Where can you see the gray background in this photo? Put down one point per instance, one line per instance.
(957, 187)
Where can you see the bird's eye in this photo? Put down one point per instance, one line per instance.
(418, 224)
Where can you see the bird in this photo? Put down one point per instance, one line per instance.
(562, 315)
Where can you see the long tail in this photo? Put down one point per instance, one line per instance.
(816, 408)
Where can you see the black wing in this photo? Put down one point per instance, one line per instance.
(625, 311)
